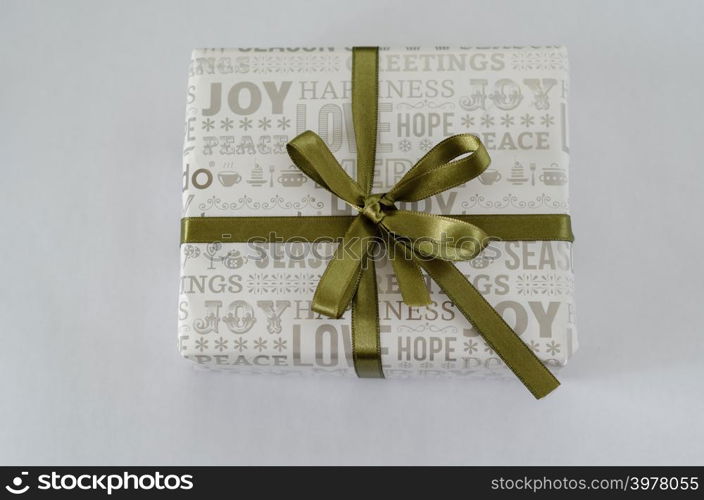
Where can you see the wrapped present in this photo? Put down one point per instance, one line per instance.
(378, 212)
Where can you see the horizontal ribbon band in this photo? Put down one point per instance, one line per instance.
(504, 227)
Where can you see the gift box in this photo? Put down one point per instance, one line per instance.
(252, 254)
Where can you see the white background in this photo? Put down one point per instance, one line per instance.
(92, 99)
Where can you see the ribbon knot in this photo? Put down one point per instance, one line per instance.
(372, 208)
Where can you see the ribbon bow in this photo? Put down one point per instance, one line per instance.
(411, 236)
(415, 240)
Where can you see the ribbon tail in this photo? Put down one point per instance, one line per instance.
(366, 344)
(337, 285)
(414, 291)
(497, 334)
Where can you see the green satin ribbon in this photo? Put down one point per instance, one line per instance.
(413, 240)
(330, 228)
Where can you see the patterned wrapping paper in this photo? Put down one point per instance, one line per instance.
(246, 307)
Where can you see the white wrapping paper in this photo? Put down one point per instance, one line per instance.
(246, 307)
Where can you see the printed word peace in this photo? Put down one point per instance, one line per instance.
(239, 360)
(245, 145)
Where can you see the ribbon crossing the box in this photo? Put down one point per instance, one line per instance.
(413, 240)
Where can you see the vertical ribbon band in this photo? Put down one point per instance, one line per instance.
(366, 344)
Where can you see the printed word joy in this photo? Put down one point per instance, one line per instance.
(239, 318)
(245, 98)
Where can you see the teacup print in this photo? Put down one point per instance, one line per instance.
(292, 177)
(553, 176)
(234, 260)
(228, 179)
(489, 177)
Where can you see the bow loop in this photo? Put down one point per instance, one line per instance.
(310, 153)
(451, 162)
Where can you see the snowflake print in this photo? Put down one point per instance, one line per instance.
(279, 344)
(227, 124)
(304, 283)
(488, 349)
(404, 145)
(201, 344)
(263, 64)
(221, 344)
(208, 125)
(261, 283)
(507, 120)
(329, 63)
(471, 346)
(284, 123)
(265, 123)
(425, 144)
(260, 344)
(552, 347)
(534, 346)
(543, 284)
(538, 59)
(240, 344)
(552, 284)
(547, 120)
(487, 120)
(527, 120)
(246, 123)
(521, 61)
(467, 121)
